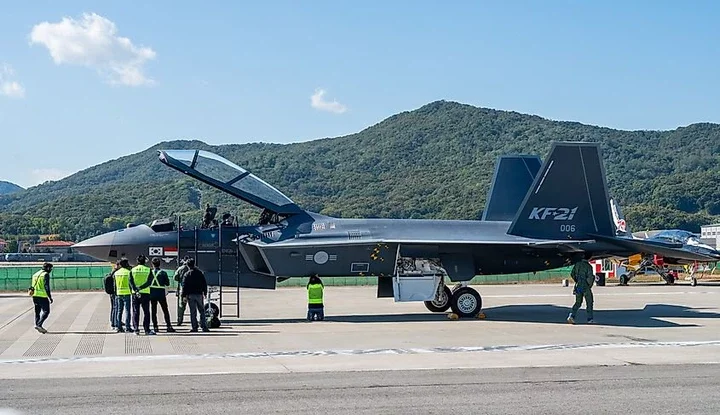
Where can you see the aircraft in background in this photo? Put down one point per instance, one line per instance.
(538, 217)
(667, 267)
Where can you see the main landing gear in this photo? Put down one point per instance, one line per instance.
(463, 300)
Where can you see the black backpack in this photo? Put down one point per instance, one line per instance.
(109, 282)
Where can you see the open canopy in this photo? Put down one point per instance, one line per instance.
(228, 177)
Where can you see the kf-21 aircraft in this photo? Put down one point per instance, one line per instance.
(538, 216)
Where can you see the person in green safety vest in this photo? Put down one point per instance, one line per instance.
(140, 282)
(316, 309)
(122, 296)
(42, 298)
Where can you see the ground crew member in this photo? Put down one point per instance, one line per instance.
(160, 281)
(582, 274)
(316, 309)
(42, 298)
(122, 296)
(181, 301)
(140, 284)
(194, 290)
(109, 283)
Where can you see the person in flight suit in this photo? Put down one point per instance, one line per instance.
(160, 281)
(181, 299)
(582, 274)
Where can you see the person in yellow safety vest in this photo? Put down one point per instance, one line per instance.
(140, 282)
(42, 298)
(123, 295)
(316, 309)
(158, 293)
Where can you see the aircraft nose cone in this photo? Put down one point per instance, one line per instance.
(97, 247)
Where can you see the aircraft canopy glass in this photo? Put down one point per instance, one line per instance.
(230, 174)
(183, 156)
(678, 236)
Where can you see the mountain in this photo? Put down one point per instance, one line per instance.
(433, 162)
(6, 188)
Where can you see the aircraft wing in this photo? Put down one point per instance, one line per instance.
(665, 249)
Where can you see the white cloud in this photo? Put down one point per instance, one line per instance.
(40, 176)
(8, 87)
(318, 101)
(92, 41)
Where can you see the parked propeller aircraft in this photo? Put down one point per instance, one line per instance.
(538, 217)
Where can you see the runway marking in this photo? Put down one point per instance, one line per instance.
(364, 352)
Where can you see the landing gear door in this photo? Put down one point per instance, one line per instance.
(460, 267)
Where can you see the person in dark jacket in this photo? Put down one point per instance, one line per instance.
(194, 290)
(158, 292)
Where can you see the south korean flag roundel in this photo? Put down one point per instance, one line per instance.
(155, 251)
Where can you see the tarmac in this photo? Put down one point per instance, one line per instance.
(647, 339)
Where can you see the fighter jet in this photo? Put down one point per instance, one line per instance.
(564, 212)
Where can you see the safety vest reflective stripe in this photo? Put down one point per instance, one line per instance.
(38, 283)
(155, 283)
(122, 281)
(315, 294)
(140, 276)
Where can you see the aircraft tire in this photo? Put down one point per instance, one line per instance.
(693, 282)
(215, 309)
(440, 307)
(466, 302)
(624, 279)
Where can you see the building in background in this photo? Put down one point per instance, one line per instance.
(710, 234)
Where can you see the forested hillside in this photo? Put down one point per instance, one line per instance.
(434, 162)
(6, 188)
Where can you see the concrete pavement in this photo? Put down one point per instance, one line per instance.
(679, 389)
(524, 326)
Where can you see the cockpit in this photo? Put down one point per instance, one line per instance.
(679, 237)
(230, 178)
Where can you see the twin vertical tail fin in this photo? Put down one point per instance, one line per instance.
(568, 199)
(514, 174)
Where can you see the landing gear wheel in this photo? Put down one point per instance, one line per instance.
(215, 309)
(466, 302)
(624, 279)
(442, 303)
(693, 282)
(214, 323)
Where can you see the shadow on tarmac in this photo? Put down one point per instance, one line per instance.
(651, 316)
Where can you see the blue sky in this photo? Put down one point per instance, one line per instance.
(114, 79)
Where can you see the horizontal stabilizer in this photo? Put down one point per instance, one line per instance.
(514, 174)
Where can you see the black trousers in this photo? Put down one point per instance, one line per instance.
(166, 313)
(144, 302)
(42, 310)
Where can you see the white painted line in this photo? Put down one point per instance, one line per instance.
(363, 352)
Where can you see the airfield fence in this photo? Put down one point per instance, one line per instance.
(90, 277)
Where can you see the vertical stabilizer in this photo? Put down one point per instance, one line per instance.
(568, 198)
(514, 174)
